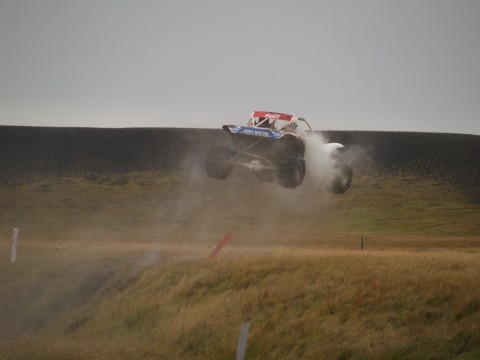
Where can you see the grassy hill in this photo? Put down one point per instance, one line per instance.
(116, 227)
(315, 304)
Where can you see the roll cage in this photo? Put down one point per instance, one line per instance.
(280, 122)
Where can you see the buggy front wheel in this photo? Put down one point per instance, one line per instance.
(291, 172)
(342, 180)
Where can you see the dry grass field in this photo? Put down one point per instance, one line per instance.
(115, 265)
(324, 304)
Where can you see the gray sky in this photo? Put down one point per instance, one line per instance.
(406, 65)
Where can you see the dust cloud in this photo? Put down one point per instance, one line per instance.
(319, 163)
(200, 210)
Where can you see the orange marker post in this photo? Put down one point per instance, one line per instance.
(220, 245)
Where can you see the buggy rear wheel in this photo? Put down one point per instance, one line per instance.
(219, 162)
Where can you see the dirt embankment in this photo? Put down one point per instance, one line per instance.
(30, 151)
(26, 152)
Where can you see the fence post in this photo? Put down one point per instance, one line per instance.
(361, 242)
(13, 254)
(242, 341)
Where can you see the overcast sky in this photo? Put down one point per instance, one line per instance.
(406, 65)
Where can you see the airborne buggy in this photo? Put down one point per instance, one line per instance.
(273, 146)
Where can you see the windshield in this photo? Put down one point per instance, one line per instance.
(298, 126)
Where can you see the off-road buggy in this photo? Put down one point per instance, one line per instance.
(273, 146)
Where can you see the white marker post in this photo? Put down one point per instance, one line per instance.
(242, 341)
(13, 255)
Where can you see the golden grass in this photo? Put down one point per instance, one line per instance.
(116, 268)
(330, 304)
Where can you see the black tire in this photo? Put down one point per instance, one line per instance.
(219, 162)
(291, 171)
(342, 181)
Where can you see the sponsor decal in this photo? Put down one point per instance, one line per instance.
(256, 132)
(272, 116)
